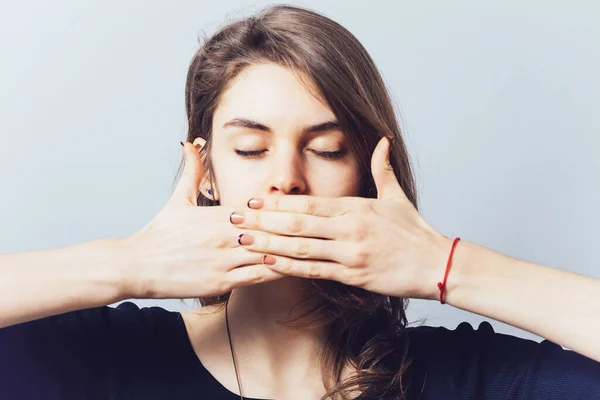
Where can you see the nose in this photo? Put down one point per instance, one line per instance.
(287, 175)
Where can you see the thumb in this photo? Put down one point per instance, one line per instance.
(187, 189)
(383, 174)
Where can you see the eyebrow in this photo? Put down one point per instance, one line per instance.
(246, 123)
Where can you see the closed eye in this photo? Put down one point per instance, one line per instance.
(325, 154)
(245, 153)
(329, 154)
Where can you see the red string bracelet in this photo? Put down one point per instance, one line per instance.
(441, 285)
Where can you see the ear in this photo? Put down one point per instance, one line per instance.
(205, 186)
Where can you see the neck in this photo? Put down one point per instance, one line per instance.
(257, 316)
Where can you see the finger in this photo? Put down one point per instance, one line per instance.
(187, 189)
(251, 274)
(292, 224)
(314, 269)
(241, 256)
(310, 205)
(383, 173)
(302, 247)
(247, 267)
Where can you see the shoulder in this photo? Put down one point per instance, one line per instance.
(490, 364)
(86, 351)
(97, 332)
(97, 325)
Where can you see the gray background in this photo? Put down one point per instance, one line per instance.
(498, 101)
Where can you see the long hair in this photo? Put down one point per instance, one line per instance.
(365, 329)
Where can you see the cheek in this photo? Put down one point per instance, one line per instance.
(236, 181)
(335, 180)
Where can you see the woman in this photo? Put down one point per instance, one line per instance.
(305, 248)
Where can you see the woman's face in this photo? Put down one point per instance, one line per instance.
(263, 143)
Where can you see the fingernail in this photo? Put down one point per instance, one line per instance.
(255, 203)
(270, 260)
(245, 239)
(236, 218)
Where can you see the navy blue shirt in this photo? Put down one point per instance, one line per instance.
(129, 352)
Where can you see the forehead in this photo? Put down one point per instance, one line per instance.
(272, 94)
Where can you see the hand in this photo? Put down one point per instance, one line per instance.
(382, 245)
(189, 251)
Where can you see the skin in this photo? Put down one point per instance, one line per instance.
(313, 227)
(382, 245)
(274, 361)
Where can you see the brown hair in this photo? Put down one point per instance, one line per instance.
(363, 328)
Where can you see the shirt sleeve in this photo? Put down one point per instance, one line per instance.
(468, 363)
(75, 355)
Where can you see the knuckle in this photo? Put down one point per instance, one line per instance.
(313, 269)
(310, 207)
(286, 268)
(361, 230)
(261, 242)
(296, 225)
(302, 248)
(361, 256)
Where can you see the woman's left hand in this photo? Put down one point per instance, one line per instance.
(382, 245)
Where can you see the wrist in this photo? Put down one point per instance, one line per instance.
(439, 252)
(469, 273)
(460, 260)
(121, 266)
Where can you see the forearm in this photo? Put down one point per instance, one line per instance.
(560, 306)
(41, 283)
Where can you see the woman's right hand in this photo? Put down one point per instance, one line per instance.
(188, 251)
